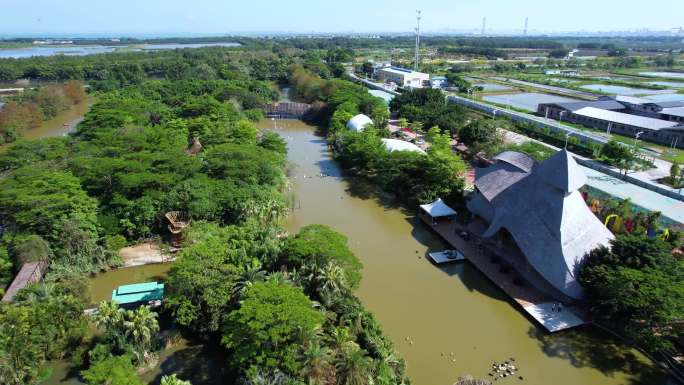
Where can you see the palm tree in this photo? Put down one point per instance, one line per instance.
(354, 368)
(139, 327)
(317, 367)
(340, 339)
(331, 278)
(109, 316)
(251, 274)
(173, 380)
(280, 278)
(354, 319)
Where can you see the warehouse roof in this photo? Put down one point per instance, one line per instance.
(671, 104)
(626, 119)
(402, 71)
(677, 111)
(602, 104)
(633, 100)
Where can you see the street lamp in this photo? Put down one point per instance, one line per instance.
(610, 126)
(567, 136)
(560, 116)
(636, 137)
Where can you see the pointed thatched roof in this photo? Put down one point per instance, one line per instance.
(195, 147)
(545, 214)
(561, 171)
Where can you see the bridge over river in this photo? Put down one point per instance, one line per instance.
(287, 110)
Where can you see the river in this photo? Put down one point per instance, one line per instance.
(84, 50)
(63, 123)
(442, 310)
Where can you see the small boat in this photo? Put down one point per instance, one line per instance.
(446, 256)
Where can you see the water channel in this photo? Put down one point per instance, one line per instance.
(441, 309)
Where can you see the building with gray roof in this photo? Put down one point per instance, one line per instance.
(537, 211)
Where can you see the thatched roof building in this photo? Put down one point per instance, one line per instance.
(195, 148)
(539, 207)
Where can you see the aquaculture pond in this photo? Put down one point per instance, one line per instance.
(526, 100)
(619, 90)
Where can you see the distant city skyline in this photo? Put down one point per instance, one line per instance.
(215, 17)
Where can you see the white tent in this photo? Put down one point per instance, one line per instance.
(358, 123)
(399, 145)
(438, 209)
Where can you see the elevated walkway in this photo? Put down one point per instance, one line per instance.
(31, 272)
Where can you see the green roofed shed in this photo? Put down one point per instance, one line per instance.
(139, 292)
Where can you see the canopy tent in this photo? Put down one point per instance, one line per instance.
(438, 209)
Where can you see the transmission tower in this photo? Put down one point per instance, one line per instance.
(484, 26)
(417, 58)
(527, 23)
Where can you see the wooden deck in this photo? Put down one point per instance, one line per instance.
(31, 272)
(532, 301)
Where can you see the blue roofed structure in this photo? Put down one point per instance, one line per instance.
(139, 292)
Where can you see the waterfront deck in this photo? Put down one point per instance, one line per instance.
(535, 303)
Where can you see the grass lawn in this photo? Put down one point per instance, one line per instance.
(668, 154)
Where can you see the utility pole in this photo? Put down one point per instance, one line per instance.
(484, 26)
(527, 21)
(417, 59)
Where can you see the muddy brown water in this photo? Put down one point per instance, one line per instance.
(63, 123)
(445, 321)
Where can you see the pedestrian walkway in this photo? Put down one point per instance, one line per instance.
(671, 209)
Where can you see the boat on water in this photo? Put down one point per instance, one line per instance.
(446, 256)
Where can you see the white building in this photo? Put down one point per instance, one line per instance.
(403, 77)
(439, 82)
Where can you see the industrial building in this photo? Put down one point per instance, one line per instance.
(657, 122)
(403, 77)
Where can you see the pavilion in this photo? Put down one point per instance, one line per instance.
(536, 215)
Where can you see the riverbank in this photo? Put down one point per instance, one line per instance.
(63, 123)
(430, 312)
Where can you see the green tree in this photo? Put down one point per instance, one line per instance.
(318, 246)
(173, 380)
(637, 287)
(618, 154)
(354, 367)
(117, 370)
(317, 364)
(266, 331)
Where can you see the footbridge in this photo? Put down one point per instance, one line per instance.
(293, 110)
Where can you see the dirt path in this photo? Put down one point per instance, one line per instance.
(144, 254)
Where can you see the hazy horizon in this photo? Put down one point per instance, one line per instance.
(215, 17)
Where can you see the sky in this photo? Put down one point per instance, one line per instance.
(183, 17)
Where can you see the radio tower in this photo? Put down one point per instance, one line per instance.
(484, 25)
(527, 21)
(415, 64)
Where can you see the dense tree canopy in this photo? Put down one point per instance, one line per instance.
(638, 287)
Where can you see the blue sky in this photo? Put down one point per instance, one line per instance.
(178, 17)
